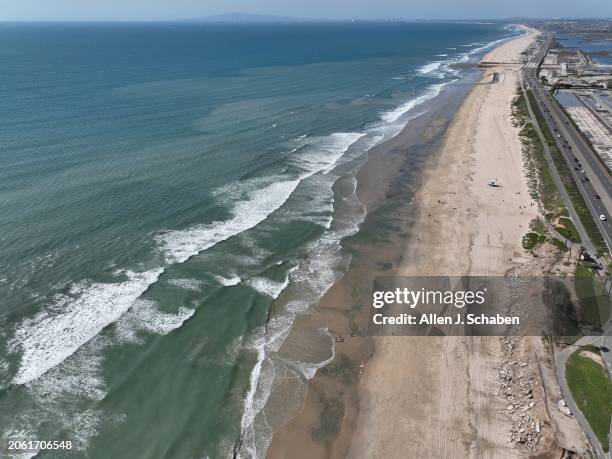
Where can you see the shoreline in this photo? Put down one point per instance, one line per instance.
(350, 395)
(389, 185)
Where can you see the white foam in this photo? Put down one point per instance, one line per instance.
(249, 407)
(270, 287)
(441, 55)
(488, 45)
(228, 281)
(22, 435)
(180, 245)
(80, 376)
(145, 316)
(322, 153)
(187, 284)
(314, 276)
(60, 394)
(254, 206)
(429, 67)
(68, 322)
(431, 92)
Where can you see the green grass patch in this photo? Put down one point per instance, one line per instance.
(559, 244)
(568, 230)
(595, 306)
(530, 240)
(537, 226)
(591, 389)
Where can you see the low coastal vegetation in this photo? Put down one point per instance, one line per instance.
(537, 235)
(531, 239)
(559, 244)
(567, 229)
(592, 391)
(541, 184)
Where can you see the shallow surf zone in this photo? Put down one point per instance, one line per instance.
(431, 69)
(287, 356)
(431, 92)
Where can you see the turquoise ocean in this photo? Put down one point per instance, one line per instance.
(172, 197)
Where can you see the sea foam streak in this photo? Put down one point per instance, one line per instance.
(430, 67)
(322, 153)
(180, 245)
(228, 281)
(144, 315)
(53, 334)
(433, 90)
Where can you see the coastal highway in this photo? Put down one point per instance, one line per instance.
(591, 176)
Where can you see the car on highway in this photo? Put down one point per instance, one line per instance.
(602, 217)
(597, 196)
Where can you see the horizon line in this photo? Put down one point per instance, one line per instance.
(298, 20)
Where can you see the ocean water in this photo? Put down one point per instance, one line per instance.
(172, 197)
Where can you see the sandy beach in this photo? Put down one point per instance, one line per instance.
(441, 400)
(439, 397)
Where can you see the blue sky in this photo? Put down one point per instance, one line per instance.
(341, 9)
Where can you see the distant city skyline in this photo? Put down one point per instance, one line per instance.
(160, 10)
